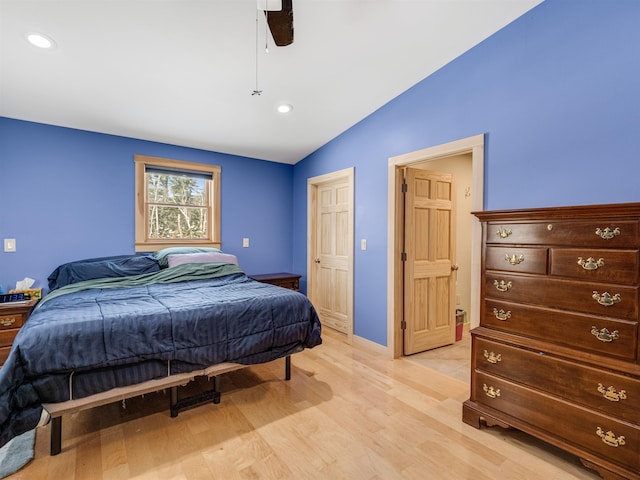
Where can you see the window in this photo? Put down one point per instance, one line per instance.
(177, 204)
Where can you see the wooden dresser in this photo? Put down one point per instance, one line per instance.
(556, 352)
(12, 317)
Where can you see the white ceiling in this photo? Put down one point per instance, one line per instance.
(182, 71)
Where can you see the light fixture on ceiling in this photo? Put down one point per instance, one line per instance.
(256, 91)
(40, 40)
(285, 108)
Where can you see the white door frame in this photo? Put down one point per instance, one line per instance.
(470, 145)
(312, 209)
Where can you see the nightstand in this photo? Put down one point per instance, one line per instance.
(286, 280)
(12, 317)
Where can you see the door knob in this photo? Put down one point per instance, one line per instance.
(454, 267)
(317, 260)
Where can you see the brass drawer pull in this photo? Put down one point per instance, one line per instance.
(492, 357)
(606, 299)
(503, 232)
(609, 438)
(7, 321)
(514, 259)
(490, 391)
(501, 314)
(604, 335)
(611, 394)
(607, 233)
(502, 285)
(591, 263)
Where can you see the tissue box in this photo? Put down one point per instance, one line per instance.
(34, 292)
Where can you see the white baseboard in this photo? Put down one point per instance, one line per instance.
(376, 347)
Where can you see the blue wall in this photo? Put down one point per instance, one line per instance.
(557, 95)
(69, 194)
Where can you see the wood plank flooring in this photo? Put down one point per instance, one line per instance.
(347, 413)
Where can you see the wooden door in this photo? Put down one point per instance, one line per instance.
(429, 268)
(331, 268)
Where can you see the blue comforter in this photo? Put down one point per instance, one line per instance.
(90, 339)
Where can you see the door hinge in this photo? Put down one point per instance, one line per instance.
(404, 187)
(403, 325)
(403, 257)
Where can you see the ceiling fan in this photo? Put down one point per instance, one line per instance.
(279, 14)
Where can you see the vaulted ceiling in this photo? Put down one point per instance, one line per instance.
(184, 71)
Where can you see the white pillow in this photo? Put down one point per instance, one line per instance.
(202, 257)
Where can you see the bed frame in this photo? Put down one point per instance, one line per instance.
(56, 410)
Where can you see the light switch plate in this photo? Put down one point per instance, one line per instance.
(245, 242)
(9, 244)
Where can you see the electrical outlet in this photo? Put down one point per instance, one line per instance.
(9, 244)
(245, 242)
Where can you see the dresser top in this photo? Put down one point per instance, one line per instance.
(570, 213)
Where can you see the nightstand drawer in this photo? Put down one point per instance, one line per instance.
(4, 353)
(12, 317)
(7, 336)
(14, 320)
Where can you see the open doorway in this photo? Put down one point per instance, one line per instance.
(469, 151)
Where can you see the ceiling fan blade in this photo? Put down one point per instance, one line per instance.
(281, 24)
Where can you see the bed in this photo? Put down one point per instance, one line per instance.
(139, 323)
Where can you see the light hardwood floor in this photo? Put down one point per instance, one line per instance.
(347, 413)
(452, 360)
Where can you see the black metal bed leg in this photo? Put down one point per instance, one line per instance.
(56, 435)
(287, 367)
(216, 389)
(173, 401)
(177, 405)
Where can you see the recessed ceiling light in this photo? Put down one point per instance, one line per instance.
(285, 108)
(41, 41)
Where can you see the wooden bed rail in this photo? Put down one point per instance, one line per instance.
(56, 410)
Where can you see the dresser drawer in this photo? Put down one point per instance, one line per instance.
(600, 390)
(603, 435)
(564, 328)
(517, 259)
(612, 300)
(603, 234)
(613, 266)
